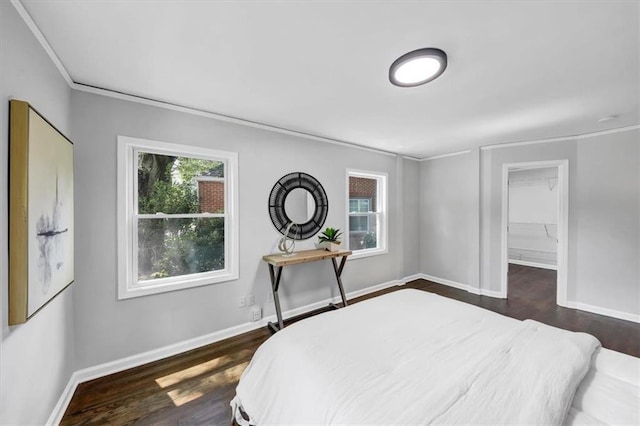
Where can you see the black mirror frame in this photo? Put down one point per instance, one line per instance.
(278, 214)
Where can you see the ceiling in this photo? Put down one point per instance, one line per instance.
(517, 70)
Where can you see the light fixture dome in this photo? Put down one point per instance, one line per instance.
(418, 67)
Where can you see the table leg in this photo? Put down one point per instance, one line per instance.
(275, 283)
(338, 271)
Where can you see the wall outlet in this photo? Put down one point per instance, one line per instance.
(251, 300)
(255, 314)
(243, 302)
(270, 297)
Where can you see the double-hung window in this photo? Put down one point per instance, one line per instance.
(177, 217)
(367, 212)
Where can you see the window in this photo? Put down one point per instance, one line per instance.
(177, 217)
(359, 223)
(367, 201)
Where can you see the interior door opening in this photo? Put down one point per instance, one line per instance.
(534, 231)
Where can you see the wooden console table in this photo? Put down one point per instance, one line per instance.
(277, 261)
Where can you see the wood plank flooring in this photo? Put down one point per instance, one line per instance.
(195, 388)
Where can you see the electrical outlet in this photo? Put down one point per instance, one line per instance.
(255, 314)
(251, 300)
(243, 302)
(270, 297)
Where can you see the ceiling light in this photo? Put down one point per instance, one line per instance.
(418, 67)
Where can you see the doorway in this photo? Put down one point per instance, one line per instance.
(534, 220)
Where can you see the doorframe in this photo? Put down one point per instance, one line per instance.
(563, 224)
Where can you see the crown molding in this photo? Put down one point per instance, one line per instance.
(42, 40)
(257, 125)
(453, 154)
(171, 106)
(563, 138)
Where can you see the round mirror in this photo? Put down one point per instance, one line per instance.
(298, 198)
(299, 205)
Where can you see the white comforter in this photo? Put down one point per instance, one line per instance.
(412, 357)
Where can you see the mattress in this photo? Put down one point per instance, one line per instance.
(609, 393)
(386, 359)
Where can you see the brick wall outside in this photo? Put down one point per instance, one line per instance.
(363, 188)
(211, 194)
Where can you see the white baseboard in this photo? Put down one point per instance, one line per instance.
(411, 278)
(533, 264)
(574, 305)
(466, 287)
(137, 360)
(63, 402)
(604, 311)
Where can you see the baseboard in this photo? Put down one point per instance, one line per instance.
(137, 360)
(461, 286)
(63, 402)
(574, 305)
(604, 311)
(533, 264)
(411, 278)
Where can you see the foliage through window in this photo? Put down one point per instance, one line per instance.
(366, 216)
(179, 217)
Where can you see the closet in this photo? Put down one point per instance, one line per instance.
(533, 217)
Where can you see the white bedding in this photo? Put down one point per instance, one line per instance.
(412, 357)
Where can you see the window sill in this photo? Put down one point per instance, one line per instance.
(361, 254)
(173, 285)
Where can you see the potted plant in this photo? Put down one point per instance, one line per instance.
(329, 239)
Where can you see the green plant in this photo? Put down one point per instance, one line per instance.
(369, 240)
(330, 235)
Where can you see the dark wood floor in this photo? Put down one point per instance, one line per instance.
(196, 387)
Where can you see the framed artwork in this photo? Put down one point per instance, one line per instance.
(41, 257)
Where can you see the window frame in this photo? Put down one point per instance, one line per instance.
(381, 213)
(127, 192)
(355, 214)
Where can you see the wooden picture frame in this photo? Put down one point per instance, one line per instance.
(41, 230)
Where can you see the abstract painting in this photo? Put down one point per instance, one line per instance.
(41, 250)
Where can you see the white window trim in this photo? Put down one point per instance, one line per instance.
(382, 202)
(128, 285)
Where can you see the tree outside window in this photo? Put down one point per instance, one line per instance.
(177, 217)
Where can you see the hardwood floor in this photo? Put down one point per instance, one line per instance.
(196, 387)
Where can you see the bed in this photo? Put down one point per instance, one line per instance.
(413, 357)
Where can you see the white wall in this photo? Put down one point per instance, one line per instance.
(604, 216)
(108, 329)
(36, 358)
(533, 199)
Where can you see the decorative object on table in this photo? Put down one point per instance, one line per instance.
(298, 205)
(287, 245)
(329, 239)
(41, 251)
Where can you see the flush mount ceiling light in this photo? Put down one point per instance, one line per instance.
(418, 67)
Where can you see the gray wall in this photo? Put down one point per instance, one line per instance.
(491, 204)
(411, 217)
(604, 216)
(36, 358)
(108, 329)
(608, 221)
(449, 218)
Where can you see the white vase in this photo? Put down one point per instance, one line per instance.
(328, 245)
